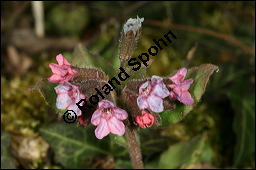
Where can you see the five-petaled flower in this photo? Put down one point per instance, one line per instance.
(145, 120)
(152, 93)
(180, 87)
(68, 96)
(108, 118)
(62, 72)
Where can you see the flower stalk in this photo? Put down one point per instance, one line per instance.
(134, 149)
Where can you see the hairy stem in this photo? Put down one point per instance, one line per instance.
(134, 149)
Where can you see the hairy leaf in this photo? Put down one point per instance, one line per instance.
(82, 58)
(72, 145)
(48, 93)
(91, 82)
(201, 77)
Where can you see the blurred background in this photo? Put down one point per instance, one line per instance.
(218, 133)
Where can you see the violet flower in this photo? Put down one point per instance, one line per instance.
(180, 87)
(152, 93)
(108, 118)
(62, 72)
(68, 96)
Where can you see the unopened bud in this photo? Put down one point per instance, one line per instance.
(129, 36)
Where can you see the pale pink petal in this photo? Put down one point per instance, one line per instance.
(156, 79)
(63, 101)
(186, 84)
(155, 104)
(161, 90)
(55, 78)
(71, 112)
(172, 85)
(102, 129)
(142, 102)
(72, 71)
(177, 90)
(173, 95)
(143, 86)
(74, 86)
(179, 76)
(63, 88)
(67, 77)
(96, 117)
(56, 69)
(183, 72)
(105, 104)
(61, 60)
(186, 98)
(120, 113)
(82, 96)
(116, 126)
(75, 108)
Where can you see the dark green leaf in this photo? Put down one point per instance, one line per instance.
(123, 164)
(183, 153)
(244, 122)
(119, 140)
(72, 145)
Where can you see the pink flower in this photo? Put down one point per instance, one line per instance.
(62, 72)
(151, 94)
(146, 120)
(108, 119)
(68, 96)
(180, 87)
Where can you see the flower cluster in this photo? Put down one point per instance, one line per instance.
(152, 93)
(107, 117)
(67, 94)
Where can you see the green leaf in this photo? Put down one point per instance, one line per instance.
(201, 76)
(123, 164)
(183, 153)
(119, 140)
(82, 58)
(6, 161)
(48, 93)
(243, 103)
(72, 145)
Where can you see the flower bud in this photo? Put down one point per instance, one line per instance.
(145, 120)
(129, 36)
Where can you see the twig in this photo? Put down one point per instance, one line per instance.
(38, 13)
(133, 7)
(28, 42)
(201, 30)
